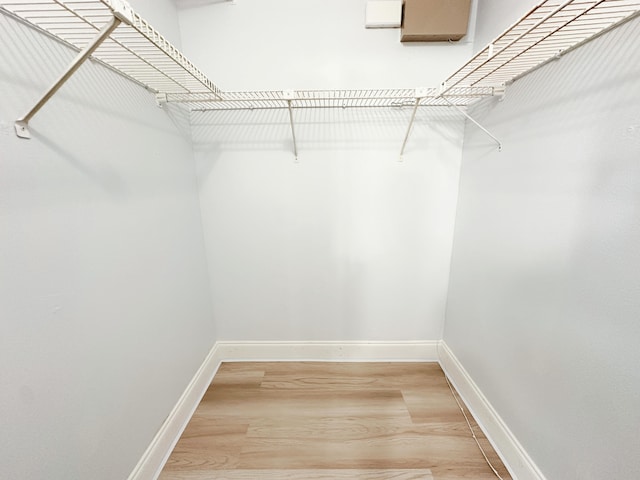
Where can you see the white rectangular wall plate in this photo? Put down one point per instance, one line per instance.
(383, 14)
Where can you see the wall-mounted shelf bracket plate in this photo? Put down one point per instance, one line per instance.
(161, 99)
(500, 92)
(22, 130)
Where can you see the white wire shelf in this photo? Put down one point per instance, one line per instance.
(549, 30)
(269, 100)
(134, 48)
(141, 53)
(546, 32)
(111, 32)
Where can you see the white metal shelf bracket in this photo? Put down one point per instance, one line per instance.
(22, 124)
(420, 94)
(161, 99)
(289, 96)
(475, 122)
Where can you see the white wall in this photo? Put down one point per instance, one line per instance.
(349, 243)
(495, 16)
(310, 44)
(544, 297)
(105, 313)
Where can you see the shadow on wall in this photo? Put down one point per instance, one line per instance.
(103, 175)
(435, 129)
(354, 128)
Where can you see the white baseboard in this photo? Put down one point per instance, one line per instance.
(426, 351)
(513, 455)
(156, 455)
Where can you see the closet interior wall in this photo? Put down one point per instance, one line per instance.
(544, 297)
(495, 17)
(105, 312)
(315, 44)
(132, 232)
(347, 243)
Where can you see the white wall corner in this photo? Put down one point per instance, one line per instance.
(157, 454)
(425, 351)
(513, 455)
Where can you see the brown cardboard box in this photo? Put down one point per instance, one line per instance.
(434, 20)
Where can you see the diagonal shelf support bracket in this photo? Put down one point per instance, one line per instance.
(474, 121)
(289, 95)
(409, 128)
(420, 93)
(22, 124)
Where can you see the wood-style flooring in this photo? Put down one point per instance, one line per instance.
(320, 420)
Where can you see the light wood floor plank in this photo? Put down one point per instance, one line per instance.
(310, 402)
(317, 420)
(395, 451)
(350, 428)
(335, 474)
